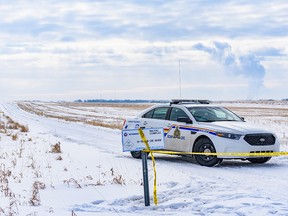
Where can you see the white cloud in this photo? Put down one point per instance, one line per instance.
(57, 48)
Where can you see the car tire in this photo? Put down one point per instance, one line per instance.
(136, 154)
(259, 160)
(206, 145)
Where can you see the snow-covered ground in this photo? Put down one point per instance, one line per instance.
(92, 176)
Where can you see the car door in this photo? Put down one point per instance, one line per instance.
(178, 137)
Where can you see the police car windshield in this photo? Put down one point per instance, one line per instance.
(212, 114)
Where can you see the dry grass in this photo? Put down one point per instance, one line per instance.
(10, 124)
(119, 180)
(24, 129)
(260, 111)
(56, 148)
(56, 110)
(73, 213)
(102, 124)
(35, 198)
(94, 120)
(5, 189)
(59, 158)
(2, 128)
(14, 137)
(72, 181)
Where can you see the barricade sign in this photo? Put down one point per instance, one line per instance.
(132, 141)
(138, 140)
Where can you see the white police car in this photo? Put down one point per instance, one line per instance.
(197, 126)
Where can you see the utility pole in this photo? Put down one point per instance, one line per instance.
(180, 80)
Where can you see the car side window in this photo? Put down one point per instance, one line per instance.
(177, 113)
(148, 114)
(157, 113)
(160, 113)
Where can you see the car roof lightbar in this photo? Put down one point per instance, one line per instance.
(189, 101)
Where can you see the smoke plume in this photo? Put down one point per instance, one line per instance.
(247, 66)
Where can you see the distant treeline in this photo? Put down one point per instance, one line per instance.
(139, 101)
(120, 101)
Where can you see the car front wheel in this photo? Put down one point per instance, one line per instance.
(205, 145)
(259, 160)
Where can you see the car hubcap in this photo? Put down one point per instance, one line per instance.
(207, 149)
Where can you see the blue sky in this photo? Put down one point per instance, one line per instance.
(65, 50)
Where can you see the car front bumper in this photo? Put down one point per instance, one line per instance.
(224, 145)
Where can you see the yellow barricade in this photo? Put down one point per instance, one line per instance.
(235, 154)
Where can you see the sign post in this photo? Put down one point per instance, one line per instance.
(132, 141)
(144, 156)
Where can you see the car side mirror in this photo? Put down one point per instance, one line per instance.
(184, 120)
(243, 119)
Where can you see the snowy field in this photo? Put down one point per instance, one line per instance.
(66, 159)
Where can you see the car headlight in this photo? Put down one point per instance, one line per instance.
(229, 135)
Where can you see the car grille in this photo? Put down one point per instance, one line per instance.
(261, 152)
(260, 139)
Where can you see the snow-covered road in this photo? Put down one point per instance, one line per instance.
(184, 187)
(101, 138)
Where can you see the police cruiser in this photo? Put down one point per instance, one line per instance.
(197, 126)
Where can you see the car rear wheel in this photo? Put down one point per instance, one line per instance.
(259, 160)
(136, 154)
(205, 145)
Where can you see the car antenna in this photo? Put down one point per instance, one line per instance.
(180, 80)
